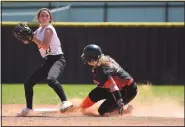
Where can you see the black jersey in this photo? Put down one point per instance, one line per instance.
(102, 72)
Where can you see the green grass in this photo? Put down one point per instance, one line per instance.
(174, 93)
(170, 90)
(43, 94)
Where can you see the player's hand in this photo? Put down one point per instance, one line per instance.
(120, 105)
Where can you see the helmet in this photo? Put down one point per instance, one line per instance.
(91, 52)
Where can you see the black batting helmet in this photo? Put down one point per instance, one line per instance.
(91, 52)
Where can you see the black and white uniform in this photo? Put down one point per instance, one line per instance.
(55, 45)
(50, 70)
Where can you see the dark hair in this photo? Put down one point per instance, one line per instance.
(44, 9)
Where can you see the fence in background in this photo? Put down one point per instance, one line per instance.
(101, 11)
(149, 53)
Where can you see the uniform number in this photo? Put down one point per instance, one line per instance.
(48, 50)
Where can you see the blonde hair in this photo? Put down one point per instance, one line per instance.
(108, 61)
(104, 60)
(44, 9)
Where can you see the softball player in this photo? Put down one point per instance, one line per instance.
(45, 37)
(114, 84)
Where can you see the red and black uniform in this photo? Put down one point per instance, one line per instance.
(123, 80)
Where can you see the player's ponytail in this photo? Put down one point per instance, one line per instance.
(104, 60)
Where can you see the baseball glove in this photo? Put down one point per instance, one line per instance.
(22, 32)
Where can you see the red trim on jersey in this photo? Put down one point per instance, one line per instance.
(121, 83)
(86, 103)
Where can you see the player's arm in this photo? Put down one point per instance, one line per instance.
(48, 33)
(115, 92)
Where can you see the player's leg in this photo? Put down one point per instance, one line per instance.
(98, 94)
(34, 78)
(94, 96)
(129, 93)
(108, 105)
(53, 80)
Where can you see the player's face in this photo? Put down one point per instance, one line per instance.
(44, 17)
(92, 63)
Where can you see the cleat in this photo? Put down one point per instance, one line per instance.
(66, 106)
(24, 112)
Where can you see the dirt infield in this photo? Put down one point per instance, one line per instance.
(163, 115)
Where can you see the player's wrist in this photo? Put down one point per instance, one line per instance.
(117, 95)
(36, 40)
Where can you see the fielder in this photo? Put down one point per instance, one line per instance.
(114, 84)
(49, 45)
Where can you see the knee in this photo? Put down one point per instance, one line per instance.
(93, 97)
(135, 91)
(101, 111)
(52, 82)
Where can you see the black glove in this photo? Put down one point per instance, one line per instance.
(120, 105)
(22, 32)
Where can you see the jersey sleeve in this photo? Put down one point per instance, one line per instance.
(107, 70)
(104, 73)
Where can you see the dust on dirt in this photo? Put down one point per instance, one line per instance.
(149, 105)
(159, 106)
(149, 110)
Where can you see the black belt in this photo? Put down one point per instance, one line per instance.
(52, 56)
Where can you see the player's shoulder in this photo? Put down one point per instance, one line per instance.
(51, 28)
(106, 69)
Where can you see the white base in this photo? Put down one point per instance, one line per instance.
(45, 110)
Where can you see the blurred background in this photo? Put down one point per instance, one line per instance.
(98, 11)
(150, 54)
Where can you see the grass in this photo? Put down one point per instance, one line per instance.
(173, 93)
(170, 90)
(43, 94)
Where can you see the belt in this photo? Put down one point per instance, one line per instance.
(52, 56)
